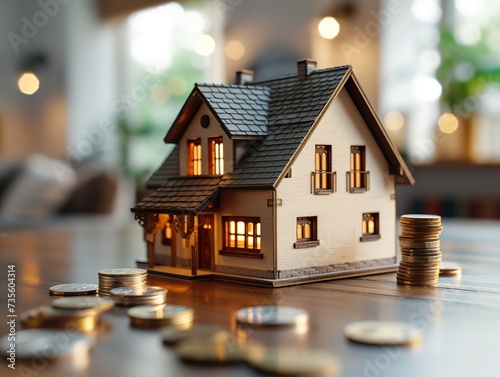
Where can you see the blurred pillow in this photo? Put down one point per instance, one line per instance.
(37, 191)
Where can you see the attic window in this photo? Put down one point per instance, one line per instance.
(194, 157)
(205, 121)
(216, 157)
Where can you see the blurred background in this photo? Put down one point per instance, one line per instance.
(90, 88)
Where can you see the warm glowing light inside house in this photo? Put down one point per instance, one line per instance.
(394, 120)
(235, 50)
(328, 28)
(205, 45)
(242, 235)
(28, 83)
(448, 123)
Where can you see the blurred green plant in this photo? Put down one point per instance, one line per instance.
(465, 72)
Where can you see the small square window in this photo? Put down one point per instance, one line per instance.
(307, 232)
(370, 227)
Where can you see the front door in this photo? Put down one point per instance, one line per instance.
(205, 242)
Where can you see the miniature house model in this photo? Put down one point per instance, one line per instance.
(276, 182)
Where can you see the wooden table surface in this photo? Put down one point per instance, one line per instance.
(460, 319)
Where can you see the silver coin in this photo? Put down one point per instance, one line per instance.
(270, 315)
(46, 344)
(99, 304)
(130, 292)
(123, 272)
(74, 289)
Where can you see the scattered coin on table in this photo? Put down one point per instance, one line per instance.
(132, 297)
(293, 361)
(173, 334)
(99, 304)
(150, 316)
(74, 289)
(48, 317)
(382, 333)
(449, 269)
(271, 315)
(47, 344)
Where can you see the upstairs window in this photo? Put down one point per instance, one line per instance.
(358, 178)
(194, 157)
(216, 156)
(323, 168)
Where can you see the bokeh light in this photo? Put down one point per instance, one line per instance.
(28, 83)
(448, 123)
(328, 28)
(394, 120)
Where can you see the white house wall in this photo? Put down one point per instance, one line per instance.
(195, 131)
(339, 215)
(246, 203)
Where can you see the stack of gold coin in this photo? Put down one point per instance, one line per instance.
(50, 317)
(130, 297)
(155, 316)
(420, 250)
(134, 278)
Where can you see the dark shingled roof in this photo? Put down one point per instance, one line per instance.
(277, 115)
(242, 110)
(294, 106)
(169, 169)
(181, 195)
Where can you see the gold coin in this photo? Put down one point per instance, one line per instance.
(74, 289)
(420, 218)
(382, 333)
(218, 350)
(271, 315)
(99, 304)
(421, 259)
(449, 269)
(174, 334)
(154, 316)
(49, 317)
(415, 244)
(291, 361)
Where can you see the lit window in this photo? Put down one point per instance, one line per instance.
(216, 157)
(358, 177)
(370, 227)
(323, 168)
(194, 157)
(307, 234)
(242, 233)
(168, 230)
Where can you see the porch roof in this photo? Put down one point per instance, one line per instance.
(181, 196)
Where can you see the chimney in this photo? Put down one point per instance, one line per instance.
(305, 67)
(244, 76)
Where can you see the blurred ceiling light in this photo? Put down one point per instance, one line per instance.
(429, 59)
(427, 89)
(328, 28)
(394, 120)
(448, 123)
(205, 45)
(463, 71)
(235, 50)
(28, 83)
(467, 34)
(428, 11)
(153, 34)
